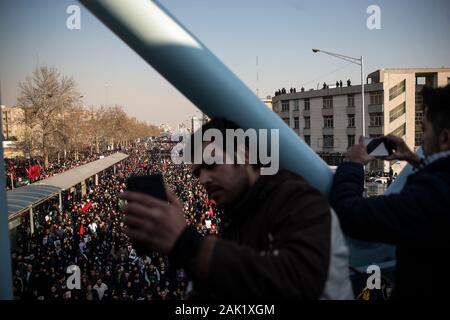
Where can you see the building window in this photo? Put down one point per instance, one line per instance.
(376, 119)
(419, 101)
(286, 120)
(307, 122)
(328, 141)
(351, 140)
(400, 131)
(376, 98)
(397, 111)
(376, 165)
(351, 100)
(296, 105)
(296, 123)
(306, 104)
(285, 105)
(396, 90)
(421, 81)
(418, 119)
(308, 140)
(418, 138)
(351, 120)
(328, 122)
(327, 102)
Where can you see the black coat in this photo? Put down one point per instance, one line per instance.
(276, 244)
(416, 221)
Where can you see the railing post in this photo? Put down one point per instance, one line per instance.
(5, 248)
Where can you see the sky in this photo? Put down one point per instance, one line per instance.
(281, 33)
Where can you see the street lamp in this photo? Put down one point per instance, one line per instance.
(359, 62)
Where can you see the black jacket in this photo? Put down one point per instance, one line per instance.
(276, 244)
(417, 221)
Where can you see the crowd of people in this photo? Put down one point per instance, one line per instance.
(302, 89)
(21, 171)
(88, 233)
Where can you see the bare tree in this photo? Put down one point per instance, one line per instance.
(45, 97)
(95, 128)
(115, 122)
(54, 120)
(76, 133)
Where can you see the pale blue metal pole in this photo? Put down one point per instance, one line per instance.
(186, 63)
(5, 249)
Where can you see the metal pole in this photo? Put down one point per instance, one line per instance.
(31, 221)
(60, 201)
(359, 62)
(5, 248)
(362, 98)
(184, 61)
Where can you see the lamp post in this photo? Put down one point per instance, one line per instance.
(359, 62)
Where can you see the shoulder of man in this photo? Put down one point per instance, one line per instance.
(286, 183)
(290, 192)
(435, 183)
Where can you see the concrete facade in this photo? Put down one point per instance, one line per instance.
(12, 129)
(11, 122)
(393, 104)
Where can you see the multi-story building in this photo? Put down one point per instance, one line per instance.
(268, 102)
(198, 122)
(11, 122)
(12, 129)
(330, 120)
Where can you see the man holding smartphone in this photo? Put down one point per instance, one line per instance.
(417, 219)
(279, 239)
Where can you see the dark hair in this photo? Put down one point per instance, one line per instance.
(437, 107)
(222, 124)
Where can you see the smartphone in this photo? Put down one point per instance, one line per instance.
(152, 185)
(379, 148)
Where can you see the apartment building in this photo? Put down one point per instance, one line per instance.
(330, 119)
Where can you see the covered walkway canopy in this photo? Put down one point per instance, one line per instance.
(76, 175)
(21, 199)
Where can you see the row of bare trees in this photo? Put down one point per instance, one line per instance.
(54, 122)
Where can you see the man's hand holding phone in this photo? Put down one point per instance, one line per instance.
(385, 148)
(402, 151)
(154, 223)
(358, 153)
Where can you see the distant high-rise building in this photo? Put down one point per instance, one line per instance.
(165, 128)
(11, 122)
(268, 102)
(12, 129)
(197, 122)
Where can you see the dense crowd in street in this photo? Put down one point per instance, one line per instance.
(21, 171)
(88, 233)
